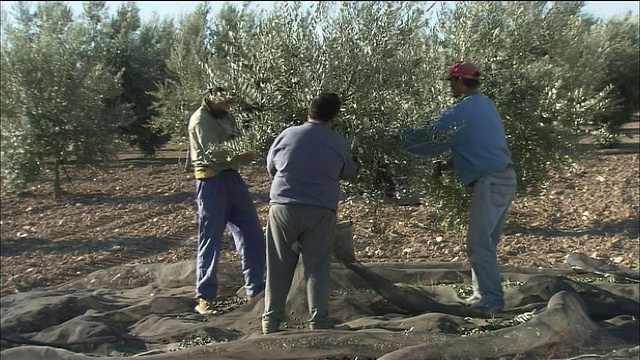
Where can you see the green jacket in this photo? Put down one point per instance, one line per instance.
(207, 135)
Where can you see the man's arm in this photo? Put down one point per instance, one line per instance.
(434, 139)
(271, 168)
(349, 169)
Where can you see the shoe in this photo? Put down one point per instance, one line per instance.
(206, 307)
(473, 299)
(330, 327)
(270, 329)
(254, 297)
(266, 331)
(484, 305)
(341, 327)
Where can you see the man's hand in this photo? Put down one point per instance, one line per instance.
(437, 168)
(440, 166)
(244, 158)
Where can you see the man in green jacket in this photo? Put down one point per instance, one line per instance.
(223, 199)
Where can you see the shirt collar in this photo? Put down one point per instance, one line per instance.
(472, 92)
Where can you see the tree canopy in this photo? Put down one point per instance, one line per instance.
(74, 88)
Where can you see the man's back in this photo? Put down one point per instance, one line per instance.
(306, 163)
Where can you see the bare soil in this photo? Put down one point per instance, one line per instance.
(143, 211)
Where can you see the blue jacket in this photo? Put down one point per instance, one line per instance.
(472, 130)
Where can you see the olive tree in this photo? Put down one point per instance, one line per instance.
(178, 93)
(138, 51)
(619, 46)
(367, 52)
(542, 63)
(54, 84)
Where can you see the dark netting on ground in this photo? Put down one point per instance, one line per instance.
(391, 310)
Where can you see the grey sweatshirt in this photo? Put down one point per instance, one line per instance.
(306, 163)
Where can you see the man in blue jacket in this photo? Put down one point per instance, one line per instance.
(472, 130)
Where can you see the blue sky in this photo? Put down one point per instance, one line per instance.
(604, 9)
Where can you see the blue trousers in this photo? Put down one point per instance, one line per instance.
(224, 200)
(490, 202)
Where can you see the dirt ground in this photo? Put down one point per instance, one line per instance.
(143, 211)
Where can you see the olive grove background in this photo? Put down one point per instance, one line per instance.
(78, 88)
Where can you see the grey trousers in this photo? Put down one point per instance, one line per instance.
(490, 202)
(295, 230)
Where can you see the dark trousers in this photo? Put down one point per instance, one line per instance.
(224, 200)
(295, 230)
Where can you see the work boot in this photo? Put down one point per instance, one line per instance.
(330, 327)
(487, 306)
(206, 307)
(252, 298)
(473, 299)
(267, 331)
(269, 328)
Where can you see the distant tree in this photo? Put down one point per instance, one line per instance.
(139, 51)
(54, 85)
(619, 41)
(233, 28)
(616, 43)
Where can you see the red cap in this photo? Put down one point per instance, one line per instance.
(464, 70)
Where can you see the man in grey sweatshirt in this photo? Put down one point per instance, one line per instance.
(305, 163)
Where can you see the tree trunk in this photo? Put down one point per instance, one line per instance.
(187, 163)
(56, 180)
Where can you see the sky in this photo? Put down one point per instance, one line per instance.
(603, 9)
